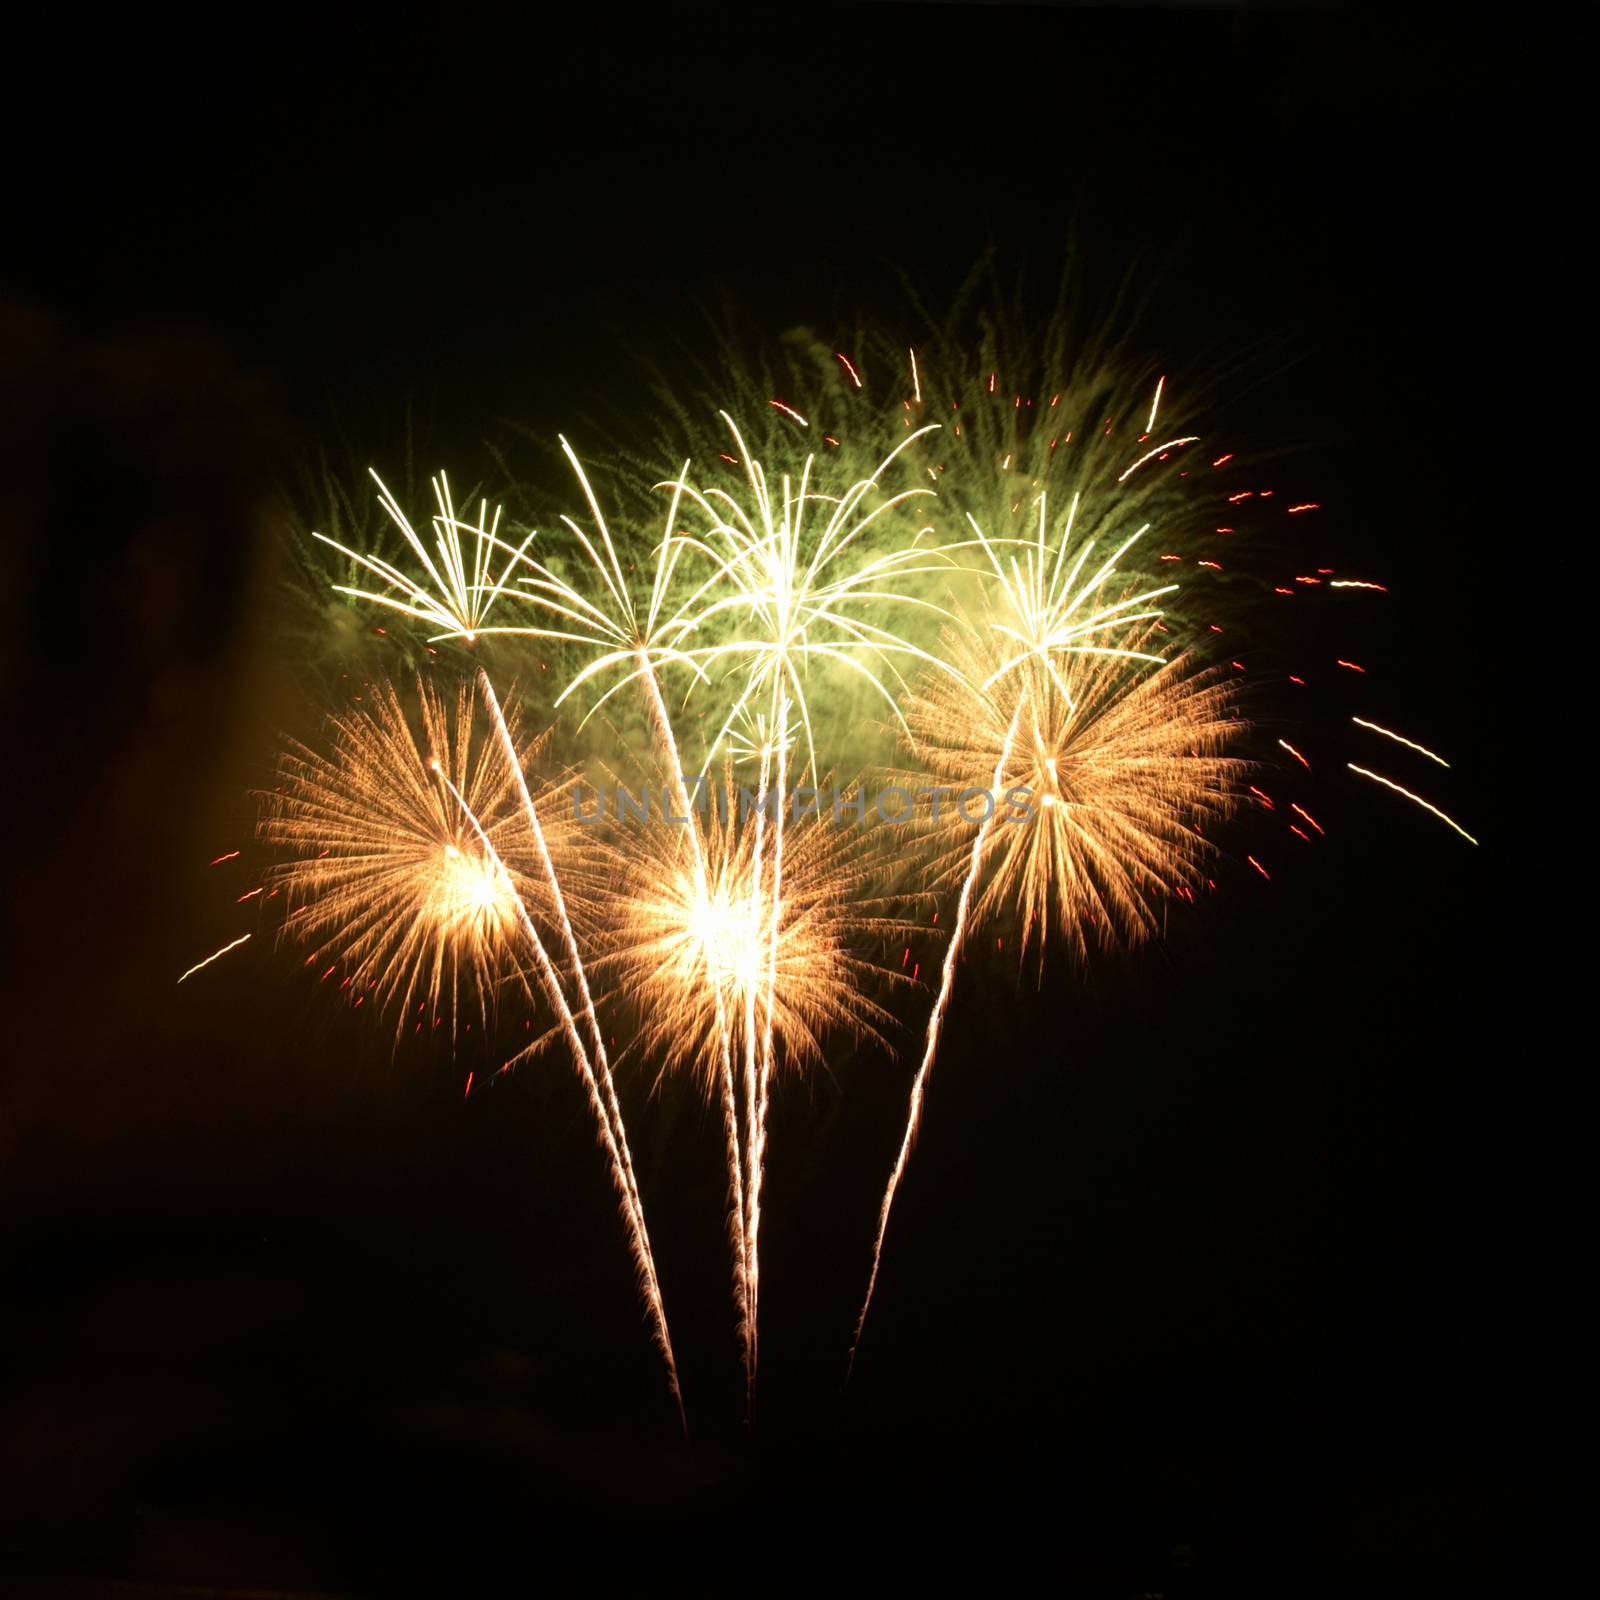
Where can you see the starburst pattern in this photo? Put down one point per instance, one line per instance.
(685, 946)
(1114, 768)
(385, 870)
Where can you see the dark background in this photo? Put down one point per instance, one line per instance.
(1228, 1267)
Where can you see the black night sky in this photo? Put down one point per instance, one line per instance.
(1223, 1272)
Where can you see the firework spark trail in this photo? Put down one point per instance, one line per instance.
(215, 954)
(558, 901)
(638, 1238)
(952, 954)
(1410, 744)
(1416, 799)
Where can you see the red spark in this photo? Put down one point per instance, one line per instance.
(1309, 818)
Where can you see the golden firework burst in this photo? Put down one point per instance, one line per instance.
(388, 875)
(1108, 770)
(691, 945)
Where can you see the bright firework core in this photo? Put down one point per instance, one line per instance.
(721, 938)
(470, 896)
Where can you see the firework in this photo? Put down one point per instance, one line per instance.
(458, 588)
(1046, 608)
(797, 583)
(801, 561)
(1120, 766)
(686, 946)
(386, 873)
